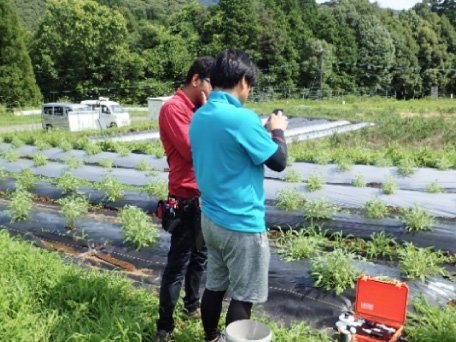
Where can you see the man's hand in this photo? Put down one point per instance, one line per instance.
(278, 121)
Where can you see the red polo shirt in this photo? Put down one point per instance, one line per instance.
(174, 122)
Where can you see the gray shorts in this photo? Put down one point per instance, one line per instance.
(237, 262)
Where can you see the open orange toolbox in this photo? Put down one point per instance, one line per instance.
(380, 303)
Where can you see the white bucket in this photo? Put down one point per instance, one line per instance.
(247, 330)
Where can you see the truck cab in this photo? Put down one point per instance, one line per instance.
(112, 114)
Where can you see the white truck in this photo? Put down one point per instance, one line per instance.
(69, 116)
(111, 113)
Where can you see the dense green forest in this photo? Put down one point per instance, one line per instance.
(132, 49)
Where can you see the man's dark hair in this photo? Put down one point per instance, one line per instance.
(202, 66)
(230, 66)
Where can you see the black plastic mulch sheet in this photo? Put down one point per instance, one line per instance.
(292, 296)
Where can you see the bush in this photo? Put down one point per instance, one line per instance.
(21, 203)
(72, 208)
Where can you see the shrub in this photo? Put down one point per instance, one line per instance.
(389, 186)
(335, 271)
(292, 176)
(434, 187)
(113, 188)
(137, 227)
(21, 203)
(359, 181)
(289, 199)
(72, 208)
(417, 219)
(40, 159)
(419, 262)
(314, 183)
(375, 209)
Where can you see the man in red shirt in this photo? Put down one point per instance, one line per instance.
(187, 254)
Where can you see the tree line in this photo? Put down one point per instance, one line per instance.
(132, 49)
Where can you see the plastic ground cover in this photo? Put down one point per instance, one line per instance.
(292, 296)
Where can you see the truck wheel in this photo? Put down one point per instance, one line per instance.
(113, 125)
(48, 127)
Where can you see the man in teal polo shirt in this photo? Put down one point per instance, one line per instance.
(230, 147)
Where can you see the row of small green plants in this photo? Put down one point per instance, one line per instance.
(45, 298)
(135, 223)
(333, 256)
(414, 219)
(389, 186)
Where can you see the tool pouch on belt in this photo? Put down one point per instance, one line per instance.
(170, 214)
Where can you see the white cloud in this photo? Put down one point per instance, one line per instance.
(394, 4)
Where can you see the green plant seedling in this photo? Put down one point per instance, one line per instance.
(157, 189)
(406, 167)
(319, 210)
(40, 159)
(143, 165)
(65, 145)
(11, 155)
(122, 150)
(25, 179)
(375, 209)
(434, 187)
(389, 186)
(344, 164)
(292, 176)
(73, 162)
(419, 262)
(137, 227)
(335, 271)
(21, 203)
(359, 181)
(443, 164)
(112, 187)
(72, 208)
(417, 219)
(289, 199)
(381, 245)
(106, 163)
(300, 245)
(314, 183)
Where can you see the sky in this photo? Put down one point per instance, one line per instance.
(394, 4)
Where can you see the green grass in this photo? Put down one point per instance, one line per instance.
(43, 298)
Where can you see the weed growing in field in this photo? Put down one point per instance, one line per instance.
(359, 181)
(65, 145)
(419, 262)
(406, 167)
(39, 159)
(113, 188)
(41, 145)
(72, 208)
(381, 245)
(122, 150)
(292, 176)
(434, 187)
(431, 323)
(344, 164)
(73, 162)
(389, 186)
(157, 189)
(335, 271)
(417, 219)
(67, 182)
(106, 163)
(21, 203)
(319, 210)
(11, 155)
(289, 199)
(375, 209)
(443, 164)
(25, 179)
(137, 227)
(314, 183)
(17, 142)
(294, 245)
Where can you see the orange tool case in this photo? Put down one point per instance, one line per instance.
(380, 304)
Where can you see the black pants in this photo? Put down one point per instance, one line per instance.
(185, 261)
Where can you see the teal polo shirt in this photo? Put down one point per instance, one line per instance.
(229, 147)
